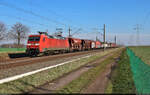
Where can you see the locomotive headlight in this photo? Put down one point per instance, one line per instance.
(29, 44)
(37, 44)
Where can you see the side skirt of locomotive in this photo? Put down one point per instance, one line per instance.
(51, 51)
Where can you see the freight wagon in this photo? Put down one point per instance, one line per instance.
(48, 44)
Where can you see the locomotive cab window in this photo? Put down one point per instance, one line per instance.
(34, 39)
(44, 39)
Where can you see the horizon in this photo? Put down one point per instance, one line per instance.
(120, 17)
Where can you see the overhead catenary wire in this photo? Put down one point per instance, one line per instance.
(49, 10)
(30, 12)
(34, 24)
(33, 14)
(77, 31)
(73, 27)
(26, 20)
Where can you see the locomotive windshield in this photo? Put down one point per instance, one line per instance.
(34, 39)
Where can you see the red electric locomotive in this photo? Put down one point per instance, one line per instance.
(48, 44)
(44, 43)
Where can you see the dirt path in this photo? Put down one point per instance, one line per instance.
(51, 87)
(99, 85)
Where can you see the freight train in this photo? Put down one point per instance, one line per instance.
(50, 44)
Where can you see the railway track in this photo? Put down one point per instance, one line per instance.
(12, 69)
(25, 58)
(26, 61)
(14, 72)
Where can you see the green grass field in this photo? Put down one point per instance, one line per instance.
(142, 52)
(29, 82)
(10, 50)
(122, 78)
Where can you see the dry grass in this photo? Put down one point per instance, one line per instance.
(30, 82)
(142, 52)
(79, 84)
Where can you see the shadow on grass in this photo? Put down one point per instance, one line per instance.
(39, 88)
(24, 87)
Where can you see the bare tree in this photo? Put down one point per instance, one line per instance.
(19, 32)
(2, 30)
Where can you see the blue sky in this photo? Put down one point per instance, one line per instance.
(120, 17)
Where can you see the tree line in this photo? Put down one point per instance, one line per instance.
(18, 32)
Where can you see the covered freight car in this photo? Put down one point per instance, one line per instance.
(75, 44)
(113, 45)
(86, 44)
(98, 44)
(93, 44)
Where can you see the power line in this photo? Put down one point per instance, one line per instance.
(77, 31)
(33, 14)
(58, 15)
(26, 20)
(33, 26)
(97, 31)
(53, 12)
(146, 17)
(29, 12)
(19, 18)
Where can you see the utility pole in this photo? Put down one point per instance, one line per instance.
(137, 31)
(96, 38)
(137, 28)
(104, 37)
(69, 32)
(115, 39)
